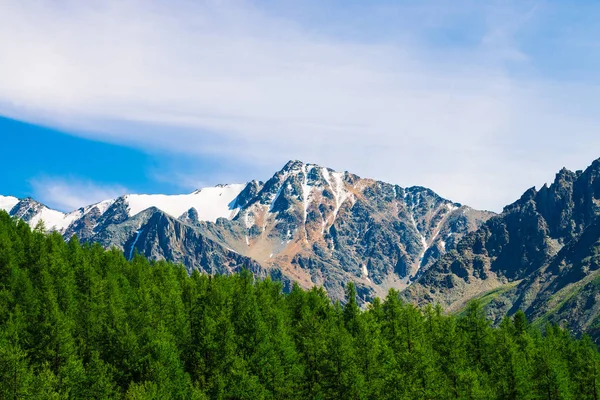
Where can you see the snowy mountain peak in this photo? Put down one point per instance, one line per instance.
(292, 165)
(297, 166)
(297, 182)
(32, 212)
(210, 203)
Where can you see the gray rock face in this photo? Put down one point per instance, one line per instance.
(306, 223)
(26, 209)
(541, 255)
(322, 227)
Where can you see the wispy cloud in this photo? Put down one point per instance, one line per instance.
(233, 81)
(68, 195)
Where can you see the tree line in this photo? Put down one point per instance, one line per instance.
(81, 322)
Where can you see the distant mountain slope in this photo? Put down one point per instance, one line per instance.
(306, 223)
(540, 255)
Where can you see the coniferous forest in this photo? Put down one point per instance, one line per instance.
(80, 322)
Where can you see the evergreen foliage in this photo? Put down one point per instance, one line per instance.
(80, 322)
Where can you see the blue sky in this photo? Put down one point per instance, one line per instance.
(66, 171)
(477, 100)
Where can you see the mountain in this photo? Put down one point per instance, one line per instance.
(315, 226)
(541, 255)
(306, 223)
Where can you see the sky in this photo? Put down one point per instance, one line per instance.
(476, 100)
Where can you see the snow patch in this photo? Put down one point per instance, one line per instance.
(306, 190)
(365, 271)
(54, 220)
(451, 207)
(7, 203)
(422, 237)
(425, 248)
(288, 237)
(336, 183)
(248, 220)
(210, 203)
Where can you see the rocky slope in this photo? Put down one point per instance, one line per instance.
(306, 223)
(541, 255)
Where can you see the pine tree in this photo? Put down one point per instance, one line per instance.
(550, 369)
(351, 309)
(16, 378)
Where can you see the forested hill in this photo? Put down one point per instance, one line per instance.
(77, 321)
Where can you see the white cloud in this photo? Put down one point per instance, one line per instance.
(226, 79)
(68, 195)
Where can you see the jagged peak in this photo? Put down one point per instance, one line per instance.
(564, 175)
(529, 195)
(292, 164)
(299, 166)
(295, 166)
(294, 169)
(30, 200)
(29, 204)
(191, 214)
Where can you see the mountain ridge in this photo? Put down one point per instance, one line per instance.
(309, 223)
(540, 253)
